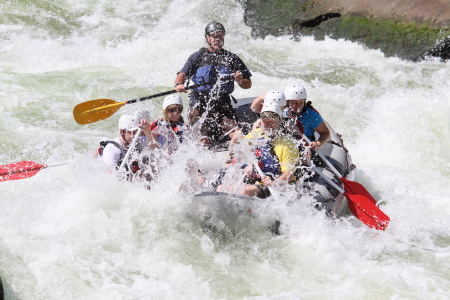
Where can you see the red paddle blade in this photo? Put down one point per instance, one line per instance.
(367, 212)
(356, 188)
(19, 170)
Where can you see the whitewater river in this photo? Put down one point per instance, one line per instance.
(75, 232)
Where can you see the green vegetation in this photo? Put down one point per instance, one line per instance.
(393, 37)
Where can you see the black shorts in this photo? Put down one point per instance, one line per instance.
(214, 109)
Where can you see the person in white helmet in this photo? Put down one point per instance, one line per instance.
(169, 129)
(272, 96)
(298, 115)
(300, 111)
(219, 68)
(113, 152)
(277, 153)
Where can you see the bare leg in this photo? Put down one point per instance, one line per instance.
(193, 116)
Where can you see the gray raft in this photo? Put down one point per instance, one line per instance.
(231, 208)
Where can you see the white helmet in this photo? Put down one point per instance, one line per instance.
(272, 107)
(275, 96)
(172, 99)
(142, 114)
(295, 92)
(129, 122)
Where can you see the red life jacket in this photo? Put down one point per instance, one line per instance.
(160, 123)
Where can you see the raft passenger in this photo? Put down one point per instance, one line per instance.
(169, 129)
(297, 113)
(277, 155)
(113, 152)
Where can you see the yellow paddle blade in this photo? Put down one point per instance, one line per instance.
(95, 110)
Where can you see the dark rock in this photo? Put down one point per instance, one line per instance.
(442, 51)
(316, 21)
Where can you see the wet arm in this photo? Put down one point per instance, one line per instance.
(179, 82)
(324, 133)
(257, 104)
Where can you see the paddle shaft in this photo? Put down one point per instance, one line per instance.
(260, 172)
(165, 93)
(325, 160)
(328, 179)
(225, 78)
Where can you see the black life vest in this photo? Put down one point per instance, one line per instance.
(134, 165)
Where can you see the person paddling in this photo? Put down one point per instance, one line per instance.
(113, 152)
(298, 110)
(213, 101)
(277, 155)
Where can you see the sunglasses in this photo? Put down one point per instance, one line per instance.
(176, 110)
(269, 115)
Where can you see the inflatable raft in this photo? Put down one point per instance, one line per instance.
(325, 196)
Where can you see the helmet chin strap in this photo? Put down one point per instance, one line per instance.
(124, 139)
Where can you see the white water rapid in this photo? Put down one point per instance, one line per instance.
(75, 232)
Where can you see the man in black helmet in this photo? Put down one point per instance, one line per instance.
(213, 101)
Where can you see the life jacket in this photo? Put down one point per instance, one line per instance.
(297, 119)
(297, 122)
(178, 129)
(268, 160)
(134, 165)
(212, 67)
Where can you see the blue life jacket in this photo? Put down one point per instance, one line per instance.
(214, 66)
(268, 160)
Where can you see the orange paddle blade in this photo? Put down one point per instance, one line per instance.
(95, 110)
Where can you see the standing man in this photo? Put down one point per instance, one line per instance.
(213, 101)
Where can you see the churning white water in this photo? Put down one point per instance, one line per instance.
(75, 232)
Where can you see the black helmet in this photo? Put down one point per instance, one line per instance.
(213, 27)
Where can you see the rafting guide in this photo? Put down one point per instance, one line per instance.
(212, 103)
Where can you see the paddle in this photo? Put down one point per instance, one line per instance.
(360, 202)
(361, 207)
(261, 174)
(354, 187)
(22, 170)
(96, 110)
